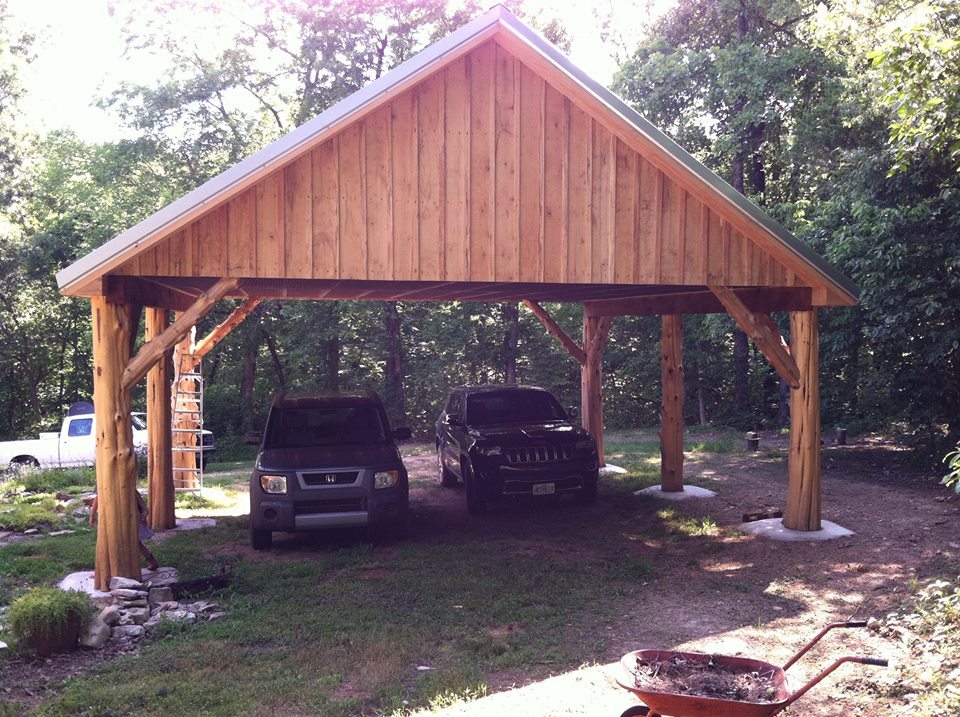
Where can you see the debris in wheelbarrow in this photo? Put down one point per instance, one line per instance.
(710, 678)
(686, 694)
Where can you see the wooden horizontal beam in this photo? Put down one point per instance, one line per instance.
(702, 301)
(760, 328)
(128, 290)
(206, 344)
(554, 328)
(151, 351)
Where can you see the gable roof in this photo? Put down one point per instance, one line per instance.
(829, 286)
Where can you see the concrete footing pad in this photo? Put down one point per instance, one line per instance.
(610, 469)
(773, 528)
(688, 492)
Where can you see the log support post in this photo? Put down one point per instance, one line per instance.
(803, 493)
(671, 406)
(114, 329)
(595, 332)
(160, 490)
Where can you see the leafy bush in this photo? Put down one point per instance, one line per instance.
(952, 479)
(22, 515)
(68, 479)
(232, 448)
(45, 610)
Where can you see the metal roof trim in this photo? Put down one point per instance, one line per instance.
(277, 152)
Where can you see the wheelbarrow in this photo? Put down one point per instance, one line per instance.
(674, 704)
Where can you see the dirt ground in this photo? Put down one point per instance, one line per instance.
(729, 593)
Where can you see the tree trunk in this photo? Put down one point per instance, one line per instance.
(394, 392)
(160, 490)
(803, 495)
(783, 409)
(511, 339)
(116, 464)
(671, 407)
(741, 373)
(275, 356)
(250, 350)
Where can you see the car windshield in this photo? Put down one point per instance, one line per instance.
(495, 407)
(324, 426)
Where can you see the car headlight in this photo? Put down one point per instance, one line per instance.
(490, 450)
(385, 479)
(276, 485)
(586, 444)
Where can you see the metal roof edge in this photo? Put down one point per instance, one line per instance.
(715, 182)
(274, 153)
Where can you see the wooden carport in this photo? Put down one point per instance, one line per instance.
(486, 168)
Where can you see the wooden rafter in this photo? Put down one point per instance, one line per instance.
(151, 351)
(554, 328)
(206, 344)
(760, 328)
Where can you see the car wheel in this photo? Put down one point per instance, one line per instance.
(447, 479)
(261, 539)
(476, 504)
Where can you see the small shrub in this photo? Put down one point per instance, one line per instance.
(53, 481)
(952, 479)
(21, 516)
(46, 611)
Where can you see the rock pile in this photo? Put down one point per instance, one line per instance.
(136, 608)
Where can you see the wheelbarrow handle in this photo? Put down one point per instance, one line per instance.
(816, 638)
(877, 661)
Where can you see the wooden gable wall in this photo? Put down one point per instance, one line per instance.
(483, 172)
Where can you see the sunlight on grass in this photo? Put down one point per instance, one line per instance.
(688, 524)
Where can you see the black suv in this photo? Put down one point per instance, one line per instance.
(327, 461)
(513, 441)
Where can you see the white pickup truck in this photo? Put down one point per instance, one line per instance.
(75, 444)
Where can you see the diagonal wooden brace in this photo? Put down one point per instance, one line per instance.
(206, 344)
(554, 328)
(761, 329)
(151, 351)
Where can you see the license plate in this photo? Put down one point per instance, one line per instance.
(543, 488)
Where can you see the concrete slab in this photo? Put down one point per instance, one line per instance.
(688, 492)
(610, 469)
(773, 528)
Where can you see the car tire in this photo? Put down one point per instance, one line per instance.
(476, 504)
(447, 479)
(261, 539)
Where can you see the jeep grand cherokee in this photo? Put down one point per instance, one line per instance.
(327, 461)
(513, 441)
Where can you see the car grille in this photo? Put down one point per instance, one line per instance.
(538, 454)
(346, 505)
(329, 478)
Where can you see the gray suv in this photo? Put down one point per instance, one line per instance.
(327, 461)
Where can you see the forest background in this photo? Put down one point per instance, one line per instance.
(839, 119)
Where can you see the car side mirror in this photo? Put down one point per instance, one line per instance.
(253, 439)
(574, 412)
(402, 434)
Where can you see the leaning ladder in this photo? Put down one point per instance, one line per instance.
(187, 426)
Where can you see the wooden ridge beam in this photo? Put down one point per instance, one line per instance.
(558, 333)
(151, 351)
(206, 344)
(761, 329)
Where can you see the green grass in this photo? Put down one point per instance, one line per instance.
(299, 629)
(232, 466)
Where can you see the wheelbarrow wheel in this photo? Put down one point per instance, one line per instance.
(635, 711)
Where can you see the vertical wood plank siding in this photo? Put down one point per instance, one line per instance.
(482, 172)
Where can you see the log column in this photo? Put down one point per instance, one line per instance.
(595, 330)
(671, 405)
(803, 494)
(161, 494)
(116, 464)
